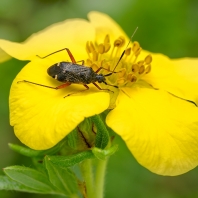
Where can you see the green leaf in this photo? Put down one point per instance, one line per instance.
(35, 153)
(102, 135)
(102, 154)
(30, 178)
(38, 164)
(63, 178)
(8, 184)
(68, 161)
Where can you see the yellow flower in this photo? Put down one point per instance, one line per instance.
(154, 109)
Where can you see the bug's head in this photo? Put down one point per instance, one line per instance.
(100, 78)
(54, 70)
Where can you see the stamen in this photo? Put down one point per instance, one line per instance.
(101, 49)
(137, 52)
(133, 79)
(95, 56)
(89, 62)
(107, 39)
(92, 48)
(129, 68)
(107, 47)
(129, 76)
(94, 67)
(128, 51)
(148, 59)
(88, 48)
(119, 42)
(140, 63)
(106, 66)
(121, 81)
(135, 68)
(122, 72)
(141, 69)
(148, 69)
(136, 46)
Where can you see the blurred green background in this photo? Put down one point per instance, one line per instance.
(169, 27)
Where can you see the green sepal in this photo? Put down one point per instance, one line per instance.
(102, 135)
(72, 139)
(62, 178)
(35, 153)
(68, 161)
(31, 178)
(102, 154)
(8, 184)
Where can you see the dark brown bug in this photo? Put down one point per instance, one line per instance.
(73, 73)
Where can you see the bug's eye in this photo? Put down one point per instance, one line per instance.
(53, 76)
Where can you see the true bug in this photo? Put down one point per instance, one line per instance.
(73, 73)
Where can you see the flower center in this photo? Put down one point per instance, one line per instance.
(128, 68)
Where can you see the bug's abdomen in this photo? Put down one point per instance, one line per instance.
(77, 74)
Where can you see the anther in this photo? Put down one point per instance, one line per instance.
(148, 59)
(138, 51)
(122, 72)
(107, 47)
(122, 39)
(135, 68)
(141, 69)
(101, 49)
(107, 39)
(148, 69)
(95, 56)
(89, 62)
(128, 51)
(120, 81)
(129, 76)
(133, 79)
(92, 48)
(88, 47)
(140, 63)
(106, 66)
(94, 67)
(119, 42)
(136, 46)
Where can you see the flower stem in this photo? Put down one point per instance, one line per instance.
(87, 173)
(100, 178)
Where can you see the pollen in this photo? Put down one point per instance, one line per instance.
(124, 62)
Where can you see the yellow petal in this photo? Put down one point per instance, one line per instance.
(41, 116)
(188, 69)
(72, 34)
(105, 25)
(3, 56)
(160, 130)
(178, 77)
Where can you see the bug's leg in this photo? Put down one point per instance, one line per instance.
(63, 85)
(70, 55)
(81, 61)
(68, 51)
(78, 91)
(101, 88)
(59, 87)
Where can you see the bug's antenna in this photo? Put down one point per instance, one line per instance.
(125, 49)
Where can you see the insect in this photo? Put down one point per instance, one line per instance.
(73, 73)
